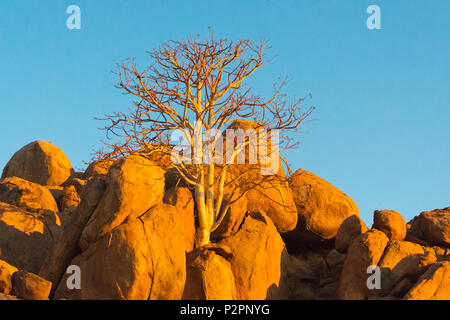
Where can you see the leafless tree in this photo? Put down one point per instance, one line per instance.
(192, 86)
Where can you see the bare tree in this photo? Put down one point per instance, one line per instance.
(194, 86)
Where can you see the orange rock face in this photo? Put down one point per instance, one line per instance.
(434, 284)
(40, 162)
(235, 214)
(366, 250)
(259, 259)
(130, 226)
(98, 168)
(27, 195)
(26, 238)
(143, 258)
(181, 198)
(275, 199)
(403, 259)
(134, 184)
(69, 198)
(209, 275)
(271, 196)
(266, 193)
(391, 223)
(432, 227)
(321, 208)
(74, 221)
(6, 272)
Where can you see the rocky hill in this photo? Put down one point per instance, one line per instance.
(129, 226)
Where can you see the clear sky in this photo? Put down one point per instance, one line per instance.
(381, 132)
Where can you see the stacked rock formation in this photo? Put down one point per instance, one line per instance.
(130, 230)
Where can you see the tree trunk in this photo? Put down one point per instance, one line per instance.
(203, 233)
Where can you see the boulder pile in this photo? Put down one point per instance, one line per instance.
(124, 230)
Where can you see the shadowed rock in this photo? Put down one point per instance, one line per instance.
(352, 227)
(29, 286)
(67, 246)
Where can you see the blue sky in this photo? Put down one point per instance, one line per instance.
(381, 132)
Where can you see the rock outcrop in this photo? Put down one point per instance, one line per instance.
(365, 251)
(431, 227)
(129, 226)
(27, 195)
(134, 184)
(402, 259)
(182, 199)
(6, 272)
(98, 168)
(259, 259)
(321, 209)
(209, 275)
(251, 187)
(406, 269)
(350, 228)
(391, 223)
(75, 221)
(434, 284)
(40, 162)
(234, 216)
(25, 237)
(7, 297)
(143, 258)
(274, 199)
(29, 286)
(69, 198)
